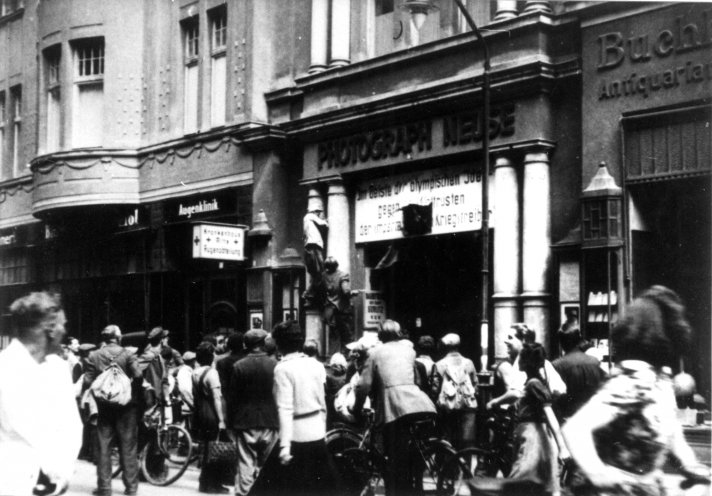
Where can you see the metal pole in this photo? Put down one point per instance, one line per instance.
(484, 327)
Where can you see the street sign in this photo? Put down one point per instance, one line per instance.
(219, 241)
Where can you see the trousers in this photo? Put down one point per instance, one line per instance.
(253, 448)
(120, 423)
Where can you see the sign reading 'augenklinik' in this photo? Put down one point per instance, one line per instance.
(454, 192)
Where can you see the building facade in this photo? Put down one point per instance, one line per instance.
(131, 129)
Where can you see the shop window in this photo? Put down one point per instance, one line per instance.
(52, 64)
(88, 105)
(191, 46)
(16, 98)
(14, 267)
(218, 69)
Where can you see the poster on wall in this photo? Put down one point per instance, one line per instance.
(374, 309)
(455, 194)
(256, 319)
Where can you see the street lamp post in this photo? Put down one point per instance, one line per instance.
(419, 9)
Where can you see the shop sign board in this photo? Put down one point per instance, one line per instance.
(454, 192)
(374, 309)
(219, 241)
(186, 209)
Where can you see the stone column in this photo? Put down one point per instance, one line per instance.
(536, 243)
(507, 252)
(506, 9)
(340, 33)
(319, 34)
(337, 211)
(538, 6)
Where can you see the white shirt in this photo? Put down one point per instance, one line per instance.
(312, 234)
(299, 394)
(184, 377)
(39, 421)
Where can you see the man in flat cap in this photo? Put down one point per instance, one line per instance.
(151, 362)
(116, 421)
(253, 413)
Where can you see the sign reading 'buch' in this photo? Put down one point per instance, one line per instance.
(454, 192)
(219, 241)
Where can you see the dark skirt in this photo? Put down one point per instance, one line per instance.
(311, 472)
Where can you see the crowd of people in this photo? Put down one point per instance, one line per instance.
(271, 395)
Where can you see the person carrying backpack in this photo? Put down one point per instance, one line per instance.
(454, 383)
(115, 380)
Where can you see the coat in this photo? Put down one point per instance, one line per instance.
(389, 376)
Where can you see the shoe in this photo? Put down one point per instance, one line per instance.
(131, 492)
(101, 492)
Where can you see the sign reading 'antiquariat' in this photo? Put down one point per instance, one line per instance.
(455, 194)
(413, 139)
(640, 59)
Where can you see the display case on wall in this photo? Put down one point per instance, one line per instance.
(602, 267)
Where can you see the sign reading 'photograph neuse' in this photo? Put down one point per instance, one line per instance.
(454, 192)
(219, 242)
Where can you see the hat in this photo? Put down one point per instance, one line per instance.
(366, 342)
(338, 359)
(450, 339)
(188, 356)
(157, 331)
(87, 347)
(253, 337)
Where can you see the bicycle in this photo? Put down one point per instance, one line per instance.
(165, 450)
(362, 463)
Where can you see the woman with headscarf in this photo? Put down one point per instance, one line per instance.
(621, 438)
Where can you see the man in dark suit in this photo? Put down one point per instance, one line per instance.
(581, 373)
(120, 421)
(253, 411)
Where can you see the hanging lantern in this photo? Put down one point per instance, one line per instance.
(602, 211)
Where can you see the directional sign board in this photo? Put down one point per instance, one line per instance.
(219, 241)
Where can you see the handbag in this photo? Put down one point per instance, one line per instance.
(222, 450)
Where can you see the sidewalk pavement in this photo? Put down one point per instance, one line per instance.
(84, 482)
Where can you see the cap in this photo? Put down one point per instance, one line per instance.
(188, 356)
(157, 331)
(450, 339)
(253, 337)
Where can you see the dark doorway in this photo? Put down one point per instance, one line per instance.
(673, 249)
(433, 287)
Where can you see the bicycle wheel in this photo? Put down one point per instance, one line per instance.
(464, 466)
(338, 440)
(361, 473)
(115, 461)
(166, 456)
(427, 459)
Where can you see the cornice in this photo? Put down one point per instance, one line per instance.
(537, 75)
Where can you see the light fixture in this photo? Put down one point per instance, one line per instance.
(260, 226)
(419, 10)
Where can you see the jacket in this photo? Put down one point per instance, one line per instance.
(251, 403)
(389, 376)
(99, 360)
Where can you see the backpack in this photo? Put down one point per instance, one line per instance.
(457, 391)
(112, 386)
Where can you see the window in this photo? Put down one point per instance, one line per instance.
(88, 105)
(14, 267)
(9, 6)
(218, 69)
(16, 96)
(52, 58)
(190, 83)
(3, 115)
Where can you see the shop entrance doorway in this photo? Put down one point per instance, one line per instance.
(672, 248)
(431, 285)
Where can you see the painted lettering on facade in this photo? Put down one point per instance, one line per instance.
(684, 35)
(408, 140)
(198, 208)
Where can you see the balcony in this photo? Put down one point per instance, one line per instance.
(80, 178)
